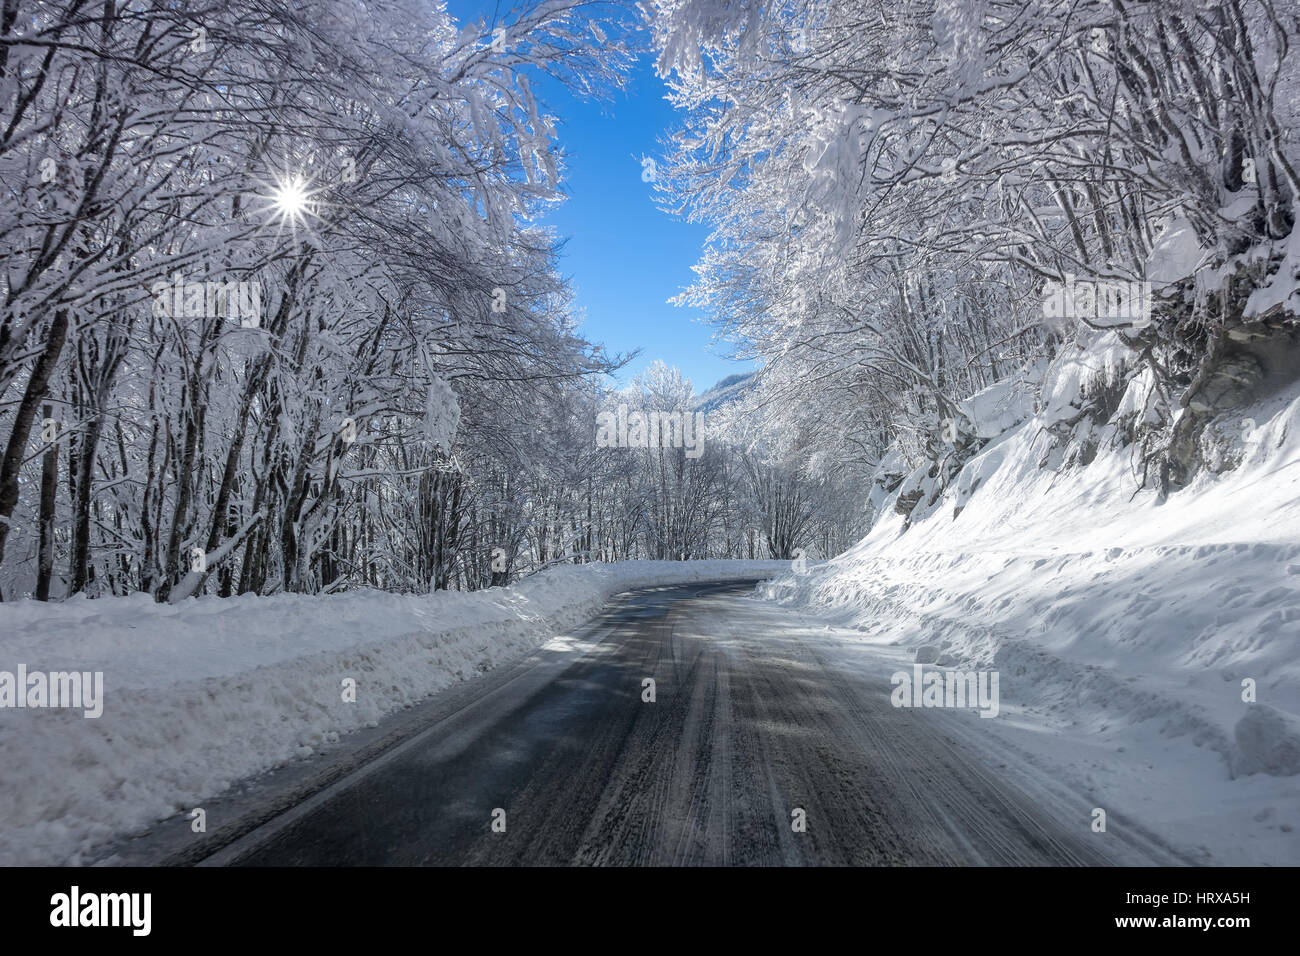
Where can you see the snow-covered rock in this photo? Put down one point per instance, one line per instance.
(1268, 741)
(927, 654)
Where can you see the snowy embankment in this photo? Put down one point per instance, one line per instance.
(1127, 632)
(200, 694)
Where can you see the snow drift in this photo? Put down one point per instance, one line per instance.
(203, 693)
(1158, 636)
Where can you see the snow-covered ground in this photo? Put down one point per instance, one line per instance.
(1122, 628)
(200, 694)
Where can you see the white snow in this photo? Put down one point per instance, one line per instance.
(203, 693)
(1123, 629)
(1177, 253)
(1000, 407)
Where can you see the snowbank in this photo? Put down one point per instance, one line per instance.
(203, 693)
(1128, 633)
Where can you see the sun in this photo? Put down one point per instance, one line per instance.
(290, 197)
(291, 203)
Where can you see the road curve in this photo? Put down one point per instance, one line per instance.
(751, 721)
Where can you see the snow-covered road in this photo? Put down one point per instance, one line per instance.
(759, 713)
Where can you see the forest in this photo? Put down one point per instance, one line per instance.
(279, 315)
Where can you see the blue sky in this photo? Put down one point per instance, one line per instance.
(624, 256)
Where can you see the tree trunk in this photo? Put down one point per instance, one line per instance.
(79, 568)
(49, 488)
(35, 391)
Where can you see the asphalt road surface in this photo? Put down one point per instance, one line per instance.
(752, 720)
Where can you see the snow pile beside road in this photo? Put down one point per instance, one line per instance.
(203, 693)
(1116, 621)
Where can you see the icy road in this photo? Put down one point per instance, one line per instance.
(767, 743)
